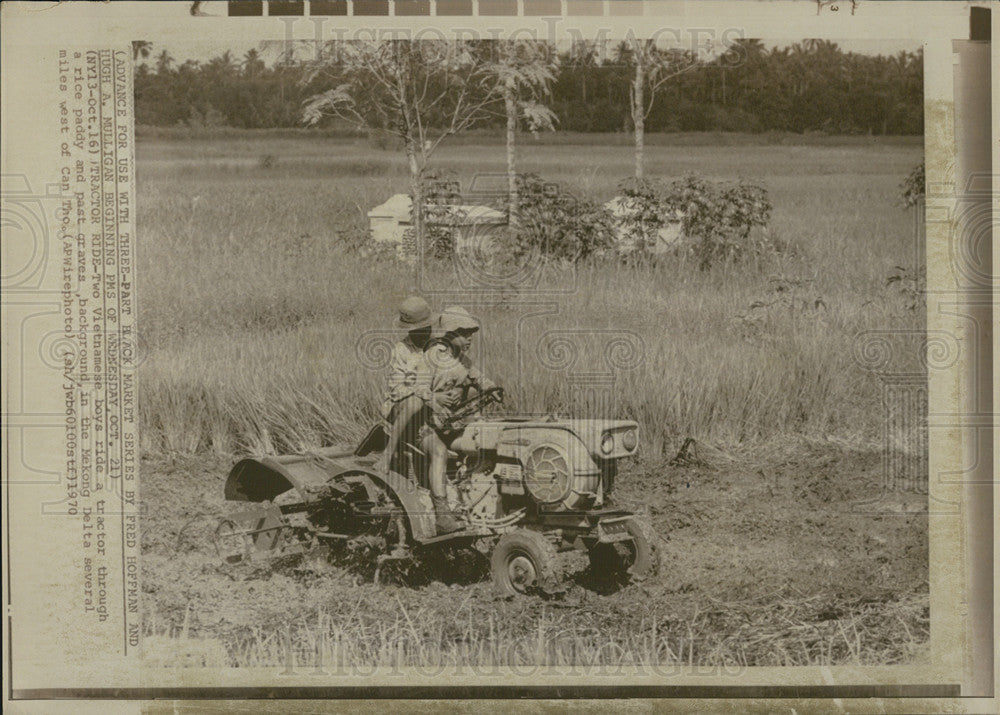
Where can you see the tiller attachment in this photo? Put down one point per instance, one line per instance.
(260, 533)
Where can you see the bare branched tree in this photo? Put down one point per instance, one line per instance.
(653, 68)
(420, 91)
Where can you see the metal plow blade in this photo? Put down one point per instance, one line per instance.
(260, 533)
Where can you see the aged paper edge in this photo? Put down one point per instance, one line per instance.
(126, 17)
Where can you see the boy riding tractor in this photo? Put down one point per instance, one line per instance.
(422, 397)
(522, 488)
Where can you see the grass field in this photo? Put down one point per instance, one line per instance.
(251, 307)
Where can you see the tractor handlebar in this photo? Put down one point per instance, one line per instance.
(473, 405)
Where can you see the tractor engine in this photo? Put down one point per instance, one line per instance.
(552, 467)
(559, 465)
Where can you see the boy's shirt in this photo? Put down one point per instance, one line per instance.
(409, 374)
(449, 376)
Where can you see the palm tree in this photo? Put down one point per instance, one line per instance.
(253, 65)
(747, 58)
(750, 48)
(163, 62)
(522, 75)
(583, 58)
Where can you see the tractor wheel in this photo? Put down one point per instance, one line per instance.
(636, 559)
(524, 561)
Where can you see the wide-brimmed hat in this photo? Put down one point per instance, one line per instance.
(453, 319)
(414, 313)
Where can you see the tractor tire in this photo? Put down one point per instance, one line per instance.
(635, 560)
(523, 562)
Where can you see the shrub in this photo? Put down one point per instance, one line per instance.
(354, 239)
(442, 192)
(556, 223)
(646, 211)
(549, 221)
(717, 218)
(913, 187)
(911, 286)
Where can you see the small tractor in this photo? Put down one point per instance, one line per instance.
(526, 488)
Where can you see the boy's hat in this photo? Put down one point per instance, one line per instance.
(414, 313)
(453, 319)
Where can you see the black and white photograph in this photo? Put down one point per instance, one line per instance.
(499, 349)
(506, 353)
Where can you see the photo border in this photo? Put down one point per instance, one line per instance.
(939, 155)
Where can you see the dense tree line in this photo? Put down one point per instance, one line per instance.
(809, 86)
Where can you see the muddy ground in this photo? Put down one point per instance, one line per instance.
(786, 556)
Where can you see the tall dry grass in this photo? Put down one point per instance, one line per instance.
(251, 306)
(724, 638)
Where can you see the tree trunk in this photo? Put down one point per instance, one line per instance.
(638, 114)
(417, 194)
(510, 105)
